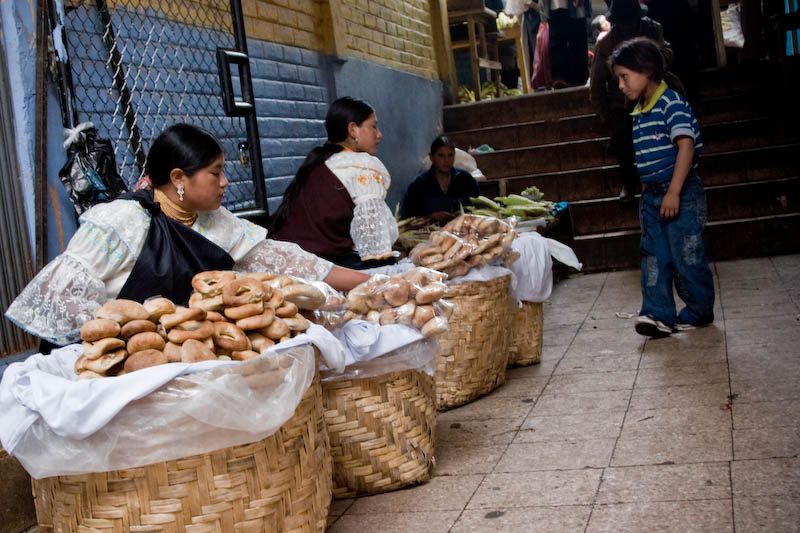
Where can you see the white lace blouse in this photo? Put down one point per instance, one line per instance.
(100, 257)
(373, 228)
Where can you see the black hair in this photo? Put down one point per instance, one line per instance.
(441, 140)
(182, 146)
(644, 56)
(340, 114)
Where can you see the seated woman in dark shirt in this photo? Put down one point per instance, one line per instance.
(335, 207)
(439, 192)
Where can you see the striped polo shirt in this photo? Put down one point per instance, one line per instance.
(656, 127)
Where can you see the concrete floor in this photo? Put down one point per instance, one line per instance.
(613, 432)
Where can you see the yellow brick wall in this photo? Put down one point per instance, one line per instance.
(396, 33)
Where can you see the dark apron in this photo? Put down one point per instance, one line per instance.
(172, 254)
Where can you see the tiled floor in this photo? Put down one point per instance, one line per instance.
(613, 432)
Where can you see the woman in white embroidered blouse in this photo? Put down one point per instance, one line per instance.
(185, 165)
(335, 205)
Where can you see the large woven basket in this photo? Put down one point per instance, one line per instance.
(381, 431)
(474, 354)
(281, 483)
(526, 335)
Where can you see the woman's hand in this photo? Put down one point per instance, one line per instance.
(670, 205)
(344, 279)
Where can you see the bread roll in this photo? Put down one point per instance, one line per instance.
(105, 362)
(193, 351)
(147, 340)
(99, 328)
(430, 293)
(122, 311)
(434, 326)
(136, 326)
(157, 307)
(230, 337)
(396, 292)
(93, 350)
(242, 291)
(422, 315)
(277, 329)
(181, 314)
(288, 309)
(212, 282)
(191, 329)
(304, 296)
(173, 352)
(257, 321)
(243, 311)
(144, 359)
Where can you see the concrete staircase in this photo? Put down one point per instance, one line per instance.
(750, 166)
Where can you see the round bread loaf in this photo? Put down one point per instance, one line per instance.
(136, 326)
(144, 359)
(158, 307)
(147, 340)
(193, 351)
(122, 311)
(93, 350)
(99, 328)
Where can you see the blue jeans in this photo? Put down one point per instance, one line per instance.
(672, 251)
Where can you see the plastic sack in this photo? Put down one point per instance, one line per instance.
(419, 355)
(413, 298)
(226, 404)
(563, 254)
(542, 75)
(731, 20)
(464, 243)
(90, 173)
(533, 272)
(463, 160)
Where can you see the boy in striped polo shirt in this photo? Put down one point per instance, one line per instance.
(672, 209)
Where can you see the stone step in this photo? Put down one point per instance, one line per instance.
(549, 105)
(590, 154)
(726, 239)
(725, 202)
(734, 133)
(722, 168)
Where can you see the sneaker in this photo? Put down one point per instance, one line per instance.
(651, 327)
(685, 326)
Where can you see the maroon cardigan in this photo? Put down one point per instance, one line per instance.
(319, 221)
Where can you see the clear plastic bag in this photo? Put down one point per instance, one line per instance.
(413, 298)
(226, 405)
(466, 242)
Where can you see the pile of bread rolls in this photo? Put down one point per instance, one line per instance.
(230, 316)
(466, 242)
(413, 298)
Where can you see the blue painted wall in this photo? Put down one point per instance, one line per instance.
(19, 42)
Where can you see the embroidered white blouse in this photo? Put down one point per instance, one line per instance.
(373, 228)
(100, 257)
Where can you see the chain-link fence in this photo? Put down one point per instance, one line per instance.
(139, 66)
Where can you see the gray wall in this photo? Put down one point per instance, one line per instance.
(409, 110)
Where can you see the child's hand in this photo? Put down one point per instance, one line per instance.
(670, 205)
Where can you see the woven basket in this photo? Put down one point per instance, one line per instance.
(381, 431)
(474, 354)
(526, 335)
(281, 483)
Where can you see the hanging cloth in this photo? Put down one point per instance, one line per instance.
(172, 254)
